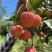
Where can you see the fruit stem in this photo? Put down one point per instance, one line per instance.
(17, 12)
(41, 44)
(32, 36)
(32, 42)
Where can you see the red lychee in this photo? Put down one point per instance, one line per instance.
(29, 49)
(25, 35)
(41, 34)
(37, 20)
(16, 31)
(27, 19)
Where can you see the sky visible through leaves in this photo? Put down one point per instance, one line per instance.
(10, 6)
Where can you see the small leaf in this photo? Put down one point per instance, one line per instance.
(10, 19)
(45, 44)
(49, 23)
(17, 16)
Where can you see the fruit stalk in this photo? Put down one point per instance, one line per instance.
(18, 12)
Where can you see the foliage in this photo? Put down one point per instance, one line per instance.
(4, 27)
(45, 26)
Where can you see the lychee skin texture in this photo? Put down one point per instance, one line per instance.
(16, 31)
(25, 35)
(41, 34)
(27, 19)
(37, 20)
(29, 49)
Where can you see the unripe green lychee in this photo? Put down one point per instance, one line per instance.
(37, 20)
(16, 31)
(29, 49)
(27, 19)
(25, 35)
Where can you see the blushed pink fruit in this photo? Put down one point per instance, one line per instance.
(37, 20)
(25, 35)
(29, 49)
(27, 19)
(16, 31)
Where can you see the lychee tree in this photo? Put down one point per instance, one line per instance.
(35, 17)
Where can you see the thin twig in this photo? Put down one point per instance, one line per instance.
(18, 12)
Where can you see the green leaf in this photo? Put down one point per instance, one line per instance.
(35, 3)
(17, 16)
(10, 19)
(30, 1)
(49, 23)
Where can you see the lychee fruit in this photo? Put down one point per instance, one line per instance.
(48, 13)
(39, 11)
(29, 49)
(25, 35)
(37, 20)
(27, 19)
(41, 34)
(16, 31)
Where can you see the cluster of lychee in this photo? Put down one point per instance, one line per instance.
(27, 19)
(47, 13)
